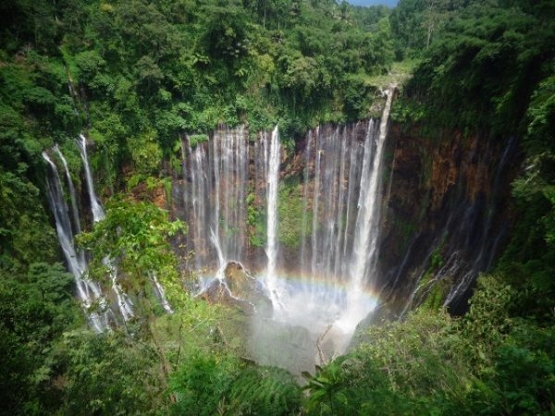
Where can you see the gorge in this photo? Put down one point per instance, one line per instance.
(278, 207)
(307, 225)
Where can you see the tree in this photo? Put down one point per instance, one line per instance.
(36, 306)
(135, 235)
(109, 374)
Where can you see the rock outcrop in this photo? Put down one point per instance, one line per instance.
(238, 289)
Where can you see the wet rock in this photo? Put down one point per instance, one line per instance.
(239, 282)
(239, 289)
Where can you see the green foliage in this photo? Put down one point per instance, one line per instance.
(468, 77)
(487, 363)
(36, 306)
(416, 24)
(146, 153)
(528, 260)
(294, 222)
(525, 377)
(208, 384)
(196, 139)
(136, 235)
(407, 112)
(108, 374)
(411, 367)
(47, 293)
(509, 353)
(265, 391)
(23, 238)
(325, 388)
(201, 382)
(232, 63)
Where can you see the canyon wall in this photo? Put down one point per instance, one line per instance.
(447, 214)
(439, 210)
(445, 208)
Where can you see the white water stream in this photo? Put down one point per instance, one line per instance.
(273, 158)
(327, 287)
(123, 302)
(88, 291)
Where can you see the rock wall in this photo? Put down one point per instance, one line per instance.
(447, 214)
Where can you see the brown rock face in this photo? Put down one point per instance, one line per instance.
(447, 197)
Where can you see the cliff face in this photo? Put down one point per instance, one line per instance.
(445, 207)
(446, 214)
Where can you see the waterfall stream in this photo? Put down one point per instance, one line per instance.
(231, 193)
(123, 302)
(88, 291)
(68, 224)
(273, 153)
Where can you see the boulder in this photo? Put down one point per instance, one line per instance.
(239, 289)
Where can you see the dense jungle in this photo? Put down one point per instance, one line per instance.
(125, 96)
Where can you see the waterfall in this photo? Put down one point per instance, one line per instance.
(230, 153)
(71, 187)
(367, 224)
(96, 208)
(484, 246)
(272, 162)
(326, 285)
(88, 292)
(366, 236)
(68, 225)
(336, 177)
(216, 197)
(198, 207)
(123, 301)
(343, 183)
(305, 198)
(315, 205)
